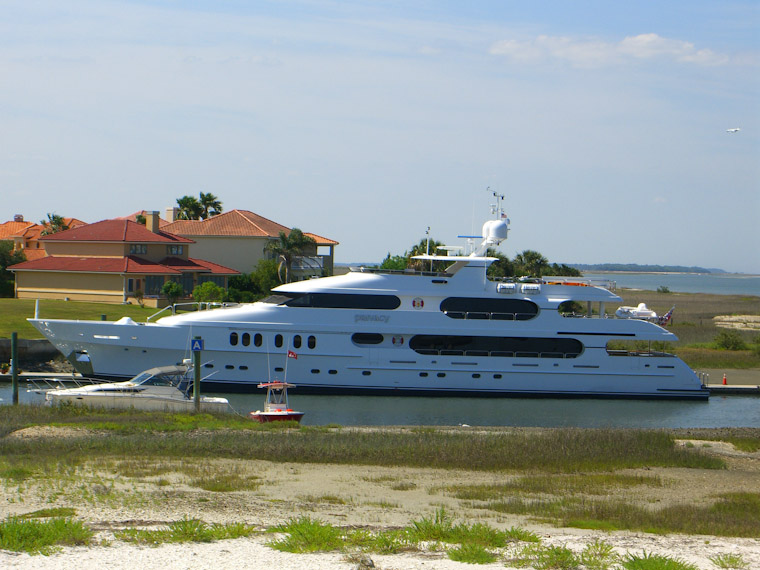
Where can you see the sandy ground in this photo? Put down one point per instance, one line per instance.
(353, 496)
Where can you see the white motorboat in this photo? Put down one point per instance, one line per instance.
(276, 406)
(409, 332)
(163, 388)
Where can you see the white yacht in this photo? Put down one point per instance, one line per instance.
(413, 332)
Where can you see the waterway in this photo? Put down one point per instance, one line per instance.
(718, 411)
(715, 283)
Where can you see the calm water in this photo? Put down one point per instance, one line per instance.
(720, 284)
(719, 411)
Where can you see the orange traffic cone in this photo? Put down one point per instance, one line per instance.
(724, 379)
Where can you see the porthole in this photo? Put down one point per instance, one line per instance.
(246, 339)
(497, 376)
(441, 375)
(332, 371)
(278, 341)
(279, 369)
(297, 341)
(476, 375)
(234, 339)
(244, 367)
(312, 342)
(208, 365)
(315, 370)
(366, 372)
(229, 367)
(423, 374)
(257, 339)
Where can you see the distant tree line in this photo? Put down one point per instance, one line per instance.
(529, 263)
(635, 267)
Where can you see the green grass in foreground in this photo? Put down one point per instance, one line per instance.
(42, 537)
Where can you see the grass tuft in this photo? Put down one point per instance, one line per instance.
(650, 561)
(42, 537)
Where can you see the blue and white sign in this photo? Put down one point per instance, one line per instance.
(196, 345)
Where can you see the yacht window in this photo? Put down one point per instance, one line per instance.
(344, 301)
(297, 341)
(480, 308)
(312, 342)
(234, 339)
(367, 338)
(246, 339)
(495, 346)
(278, 340)
(257, 339)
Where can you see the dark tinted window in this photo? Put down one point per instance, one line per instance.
(496, 346)
(234, 339)
(246, 339)
(278, 340)
(297, 341)
(367, 338)
(312, 342)
(478, 307)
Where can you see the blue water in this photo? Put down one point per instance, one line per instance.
(716, 283)
(719, 411)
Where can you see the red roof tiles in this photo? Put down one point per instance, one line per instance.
(129, 264)
(115, 231)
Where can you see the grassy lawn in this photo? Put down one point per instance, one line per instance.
(15, 312)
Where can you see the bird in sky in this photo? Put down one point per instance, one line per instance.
(734, 130)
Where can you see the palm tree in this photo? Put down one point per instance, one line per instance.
(210, 204)
(287, 247)
(54, 224)
(531, 263)
(189, 208)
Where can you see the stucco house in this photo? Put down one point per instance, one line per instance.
(25, 235)
(115, 261)
(238, 239)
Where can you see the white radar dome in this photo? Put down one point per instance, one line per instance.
(495, 231)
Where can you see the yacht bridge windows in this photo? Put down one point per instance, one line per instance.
(490, 309)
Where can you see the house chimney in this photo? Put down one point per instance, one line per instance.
(171, 214)
(18, 218)
(151, 221)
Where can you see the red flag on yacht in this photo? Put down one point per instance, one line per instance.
(292, 354)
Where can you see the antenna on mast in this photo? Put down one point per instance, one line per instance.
(497, 209)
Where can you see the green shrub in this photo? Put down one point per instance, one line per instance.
(730, 340)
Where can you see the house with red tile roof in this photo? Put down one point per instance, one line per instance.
(25, 235)
(115, 261)
(239, 238)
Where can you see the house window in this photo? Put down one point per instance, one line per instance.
(138, 248)
(215, 279)
(153, 284)
(175, 249)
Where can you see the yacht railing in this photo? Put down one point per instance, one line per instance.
(194, 306)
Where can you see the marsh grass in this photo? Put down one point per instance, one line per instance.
(729, 561)
(42, 537)
(186, 530)
(139, 435)
(438, 531)
(470, 553)
(650, 561)
(547, 483)
(735, 514)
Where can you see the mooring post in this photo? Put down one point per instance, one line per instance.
(14, 366)
(197, 373)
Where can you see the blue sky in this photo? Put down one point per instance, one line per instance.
(603, 123)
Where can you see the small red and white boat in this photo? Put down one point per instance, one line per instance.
(276, 408)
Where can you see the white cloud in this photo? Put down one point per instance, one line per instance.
(585, 52)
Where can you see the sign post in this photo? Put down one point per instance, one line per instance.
(14, 366)
(197, 346)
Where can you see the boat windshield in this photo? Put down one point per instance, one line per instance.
(161, 379)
